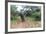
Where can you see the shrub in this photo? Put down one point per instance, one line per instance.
(36, 15)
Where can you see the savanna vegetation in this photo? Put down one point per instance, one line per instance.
(25, 16)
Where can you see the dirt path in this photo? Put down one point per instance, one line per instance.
(26, 24)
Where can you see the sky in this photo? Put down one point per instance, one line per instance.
(21, 7)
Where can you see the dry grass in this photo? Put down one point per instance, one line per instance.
(26, 24)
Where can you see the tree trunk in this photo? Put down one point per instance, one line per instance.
(22, 17)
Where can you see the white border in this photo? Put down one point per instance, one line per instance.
(24, 29)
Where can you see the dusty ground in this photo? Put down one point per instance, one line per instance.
(25, 24)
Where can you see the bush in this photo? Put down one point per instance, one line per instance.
(13, 17)
(37, 16)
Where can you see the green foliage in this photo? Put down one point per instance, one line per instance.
(27, 13)
(34, 13)
(14, 17)
(13, 12)
(37, 15)
(37, 10)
